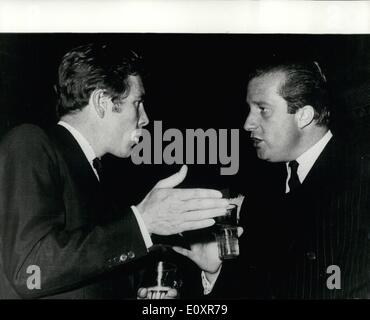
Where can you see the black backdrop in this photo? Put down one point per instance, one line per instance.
(195, 81)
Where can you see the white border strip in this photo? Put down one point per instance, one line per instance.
(185, 16)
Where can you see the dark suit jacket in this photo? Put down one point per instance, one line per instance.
(54, 214)
(291, 239)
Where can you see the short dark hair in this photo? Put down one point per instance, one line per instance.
(305, 84)
(94, 66)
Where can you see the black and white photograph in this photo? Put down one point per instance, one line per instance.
(208, 166)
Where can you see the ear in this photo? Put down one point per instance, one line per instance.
(99, 101)
(304, 116)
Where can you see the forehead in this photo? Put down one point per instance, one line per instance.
(136, 86)
(265, 88)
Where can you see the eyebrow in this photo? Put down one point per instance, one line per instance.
(264, 104)
(140, 96)
(260, 103)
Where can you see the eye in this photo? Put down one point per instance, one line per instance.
(264, 111)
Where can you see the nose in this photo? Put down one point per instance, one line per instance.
(143, 119)
(251, 123)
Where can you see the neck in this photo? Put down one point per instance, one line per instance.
(88, 129)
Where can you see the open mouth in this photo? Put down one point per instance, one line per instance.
(135, 136)
(256, 141)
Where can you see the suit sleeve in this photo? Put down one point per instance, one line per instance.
(32, 223)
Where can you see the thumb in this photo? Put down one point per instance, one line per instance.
(142, 293)
(174, 180)
(183, 251)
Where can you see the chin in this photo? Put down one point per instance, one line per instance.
(126, 154)
(272, 158)
(268, 155)
(122, 154)
(261, 155)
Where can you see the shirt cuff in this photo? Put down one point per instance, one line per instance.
(208, 286)
(144, 231)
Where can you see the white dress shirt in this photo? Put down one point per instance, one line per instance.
(83, 143)
(208, 285)
(307, 159)
(90, 155)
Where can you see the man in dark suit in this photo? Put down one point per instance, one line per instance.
(306, 218)
(60, 234)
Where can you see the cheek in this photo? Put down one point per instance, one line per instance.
(273, 132)
(290, 136)
(280, 134)
(127, 130)
(132, 119)
(127, 124)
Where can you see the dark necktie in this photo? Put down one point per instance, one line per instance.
(98, 167)
(293, 182)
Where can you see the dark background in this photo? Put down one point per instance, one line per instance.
(194, 81)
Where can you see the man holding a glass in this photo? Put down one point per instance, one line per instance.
(305, 215)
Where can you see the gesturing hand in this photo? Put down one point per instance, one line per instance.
(167, 211)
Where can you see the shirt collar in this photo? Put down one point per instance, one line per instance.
(82, 142)
(307, 159)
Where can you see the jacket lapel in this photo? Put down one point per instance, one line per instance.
(94, 204)
(76, 160)
(322, 170)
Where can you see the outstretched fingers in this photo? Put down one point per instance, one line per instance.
(197, 215)
(203, 204)
(195, 225)
(197, 193)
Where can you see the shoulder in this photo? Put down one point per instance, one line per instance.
(27, 139)
(25, 133)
